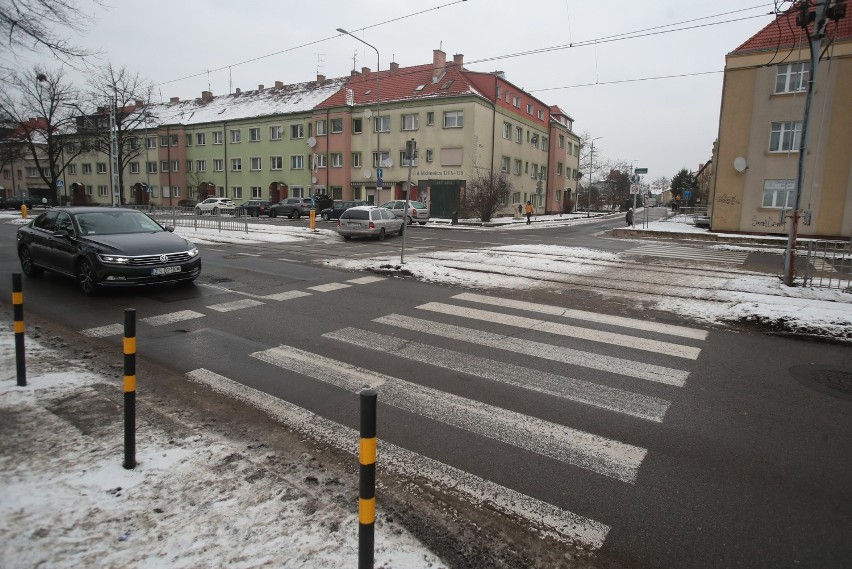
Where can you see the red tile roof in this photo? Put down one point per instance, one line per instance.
(785, 33)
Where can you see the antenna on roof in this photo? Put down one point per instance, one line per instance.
(320, 61)
(354, 57)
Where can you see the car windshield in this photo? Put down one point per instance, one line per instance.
(356, 214)
(112, 222)
(417, 205)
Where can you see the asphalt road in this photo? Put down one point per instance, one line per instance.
(659, 442)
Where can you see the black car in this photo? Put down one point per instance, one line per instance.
(14, 203)
(338, 207)
(100, 246)
(254, 208)
(294, 208)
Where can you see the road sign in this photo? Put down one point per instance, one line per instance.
(60, 183)
(379, 182)
(634, 178)
(640, 171)
(687, 194)
(634, 188)
(380, 173)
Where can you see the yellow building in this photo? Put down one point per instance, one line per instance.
(760, 129)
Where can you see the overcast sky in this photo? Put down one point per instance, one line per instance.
(663, 124)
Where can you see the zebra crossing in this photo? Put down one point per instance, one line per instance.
(486, 333)
(670, 251)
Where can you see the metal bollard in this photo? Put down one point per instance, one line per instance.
(129, 388)
(367, 481)
(18, 308)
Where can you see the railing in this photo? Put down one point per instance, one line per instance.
(829, 264)
(186, 217)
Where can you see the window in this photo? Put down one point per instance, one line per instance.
(504, 164)
(217, 137)
(356, 126)
(297, 162)
(559, 168)
(534, 171)
(175, 165)
(297, 131)
(543, 173)
(561, 142)
(545, 143)
(102, 168)
(516, 101)
(134, 167)
(164, 166)
(200, 139)
(508, 94)
(430, 155)
(254, 135)
(87, 169)
(319, 160)
(519, 134)
(236, 136)
(337, 192)
(410, 122)
(321, 128)
(792, 78)
(541, 114)
(337, 160)
(236, 164)
(507, 131)
(430, 118)
(297, 191)
(218, 165)
(201, 165)
(379, 158)
(188, 138)
(336, 125)
(255, 163)
(152, 168)
(189, 165)
(517, 169)
(151, 142)
(382, 124)
(103, 191)
(220, 190)
(176, 191)
(134, 143)
(256, 192)
(276, 163)
(453, 119)
(356, 159)
(72, 169)
(785, 136)
(164, 140)
(32, 172)
(403, 161)
(275, 132)
(173, 139)
(779, 193)
(529, 109)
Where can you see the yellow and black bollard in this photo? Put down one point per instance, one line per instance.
(367, 481)
(18, 308)
(129, 388)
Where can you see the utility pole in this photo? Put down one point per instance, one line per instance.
(113, 156)
(411, 154)
(819, 20)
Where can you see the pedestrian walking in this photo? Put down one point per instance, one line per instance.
(629, 217)
(44, 202)
(529, 210)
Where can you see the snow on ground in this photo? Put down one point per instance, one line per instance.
(195, 500)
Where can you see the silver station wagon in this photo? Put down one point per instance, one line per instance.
(368, 221)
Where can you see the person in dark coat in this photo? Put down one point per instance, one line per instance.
(629, 217)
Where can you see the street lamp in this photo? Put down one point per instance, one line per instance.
(378, 104)
(591, 173)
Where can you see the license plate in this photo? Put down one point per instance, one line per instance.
(353, 225)
(164, 270)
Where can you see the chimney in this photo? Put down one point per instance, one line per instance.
(238, 91)
(174, 100)
(260, 87)
(458, 59)
(365, 71)
(439, 60)
(355, 73)
(206, 96)
(320, 78)
(279, 84)
(394, 66)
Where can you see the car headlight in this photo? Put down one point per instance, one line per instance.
(113, 259)
(193, 252)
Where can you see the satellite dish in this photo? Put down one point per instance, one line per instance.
(314, 180)
(368, 113)
(312, 141)
(367, 174)
(740, 164)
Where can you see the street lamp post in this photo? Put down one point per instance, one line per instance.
(378, 104)
(591, 173)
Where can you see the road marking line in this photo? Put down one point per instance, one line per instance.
(286, 295)
(656, 346)
(605, 456)
(235, 305)
(171, 318)
(329, 287)
(610, 364)
(367, 280)
(634, 323)
(546, 518)
(601, 396)
(104, 331)
(249, 254)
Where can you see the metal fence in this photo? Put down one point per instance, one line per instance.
(187, 217)
(829, 264)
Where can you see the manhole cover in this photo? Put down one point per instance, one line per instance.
(834, 382)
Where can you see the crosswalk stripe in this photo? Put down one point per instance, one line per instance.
(656, 346)
(604, 397)
(104, 331)
(547, 518)
(329, 287)
(598, 454)
(634, 323)
(286, 295)
(172, 317)
(366, 280)
(235, 305)
(688, 253)
(610, 364)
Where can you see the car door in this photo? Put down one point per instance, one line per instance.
(40, 237)
(63, 248)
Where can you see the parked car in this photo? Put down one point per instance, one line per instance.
(338, 207)
(417, 211)
(293, 208)
(215, 206)
(254, 208)
(100, 246)
(368, 221)
(14, 203)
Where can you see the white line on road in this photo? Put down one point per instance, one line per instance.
(546, 518)
(171, 318)
(668, 348)
(235, 305)
(601, 396)
(607, 457)
(329, 287)
(610, 364)
(366, 280)
(104, 331)
(286, 295)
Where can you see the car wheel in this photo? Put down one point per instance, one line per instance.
(382, 234)
(215, 211)
(409, 221)
(273, 213)
(325, 216)
(347, 237)
(198, 211)
(422, 222)
(295, 214)
(27, 265)
(86, 278)
(401, 230)
(255, 213)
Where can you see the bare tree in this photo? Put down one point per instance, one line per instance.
(120, 91)
(35, 106)
(487, 191)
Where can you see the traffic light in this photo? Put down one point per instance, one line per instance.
(410, 149)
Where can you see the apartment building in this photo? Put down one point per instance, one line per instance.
(755, 163)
